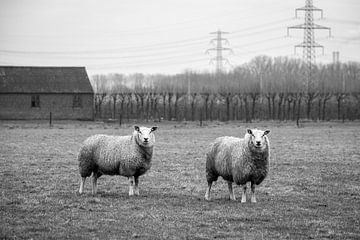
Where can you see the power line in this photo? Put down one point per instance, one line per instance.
(257, 42)
(155, 46)
(343, 21)
(261, 26)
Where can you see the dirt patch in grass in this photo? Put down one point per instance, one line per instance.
(312, 191)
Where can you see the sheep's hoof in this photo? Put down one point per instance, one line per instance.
(243, 200)
(253, 200)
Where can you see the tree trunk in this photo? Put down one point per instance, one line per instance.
(273, 105)
(128, 105)
(325, 99)
(142, 108)
(298, 110)
(147, 106)
(193, 106)
(294, 108)
(138, 111)
(227, 98)
(169, 106)
(268, 98)
(207, 95)
(234, 109)
(164, 105)
(122, 105)
(254, 97)
(186, 102)
(101, 98)
(321, 96)
(131, 105)
(211, 109)
(309, 101)
(289, 99)
(241, 111)
(156, 110)
(357, 113)
(281, 98)
(152, 111)
(114, 97)
(176, 116)
(246, 105)
(339, 99)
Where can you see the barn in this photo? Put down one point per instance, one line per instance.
(34, 92)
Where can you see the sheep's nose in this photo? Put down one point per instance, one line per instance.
(146, 139)
(258, 143)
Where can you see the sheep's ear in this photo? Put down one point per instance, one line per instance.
(249, 131)
(137, 128)
(153, 129)
(266, 132)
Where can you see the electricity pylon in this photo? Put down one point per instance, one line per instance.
(219, 50)
(309, 45)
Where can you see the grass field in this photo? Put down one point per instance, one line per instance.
(312, 190)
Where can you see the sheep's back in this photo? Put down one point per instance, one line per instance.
(107, 154)
(221, 155)
(88, 154)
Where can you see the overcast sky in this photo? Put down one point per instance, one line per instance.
(165, 36)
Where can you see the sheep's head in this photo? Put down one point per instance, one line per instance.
(145, 136)
(257, 139)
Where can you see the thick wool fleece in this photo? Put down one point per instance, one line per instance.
(114, 155)
(237, 160)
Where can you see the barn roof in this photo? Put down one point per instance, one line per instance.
(15, 79)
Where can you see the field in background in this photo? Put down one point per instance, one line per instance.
(312, 191)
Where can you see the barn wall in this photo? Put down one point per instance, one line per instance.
(18, 106)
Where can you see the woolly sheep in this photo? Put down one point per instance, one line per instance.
(128, 156)
(239, 160)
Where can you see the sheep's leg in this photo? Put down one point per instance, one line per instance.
(94, 183)
(243, 196)
(82, 184)
(253, 197)
(207, 194)
(136, 190)
(131, 186)
(231, 192)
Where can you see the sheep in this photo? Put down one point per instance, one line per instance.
(239, 160)
(128, 156)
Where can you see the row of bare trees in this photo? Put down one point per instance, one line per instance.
(230, 106)
(264, 88)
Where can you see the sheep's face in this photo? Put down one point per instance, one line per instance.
(257, 138)
(145, 136)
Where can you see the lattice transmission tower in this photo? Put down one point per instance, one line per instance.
(219, 59)
(309, 45)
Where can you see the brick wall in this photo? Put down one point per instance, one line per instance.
(18, 106)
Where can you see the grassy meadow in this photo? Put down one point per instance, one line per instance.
(311, 192)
